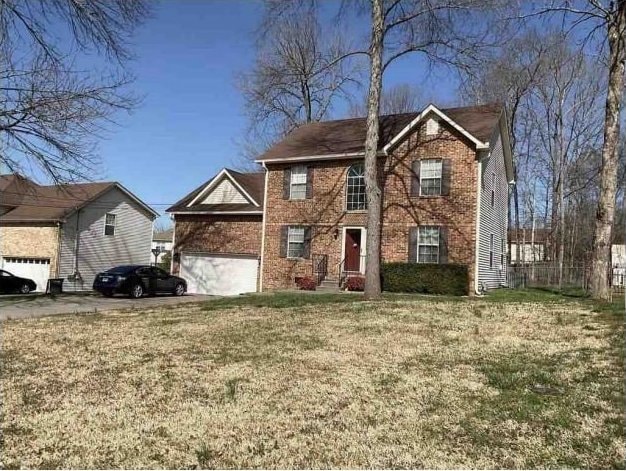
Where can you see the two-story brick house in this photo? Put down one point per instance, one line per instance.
(445, 177)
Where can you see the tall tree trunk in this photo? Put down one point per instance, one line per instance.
(374, 193)
(608, 175)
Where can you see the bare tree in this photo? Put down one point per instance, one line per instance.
(401, 98)
(52, 110)
(444, 32)
(296, 78)
(601, 24)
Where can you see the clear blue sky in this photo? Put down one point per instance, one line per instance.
(192, 115)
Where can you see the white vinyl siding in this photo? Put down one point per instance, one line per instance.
(297, 188)
(225, 193)
(430, 177)
(97, 252)
(493, 218)
(295, 242)
(428, 244)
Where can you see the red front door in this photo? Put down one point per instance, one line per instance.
(353, 250)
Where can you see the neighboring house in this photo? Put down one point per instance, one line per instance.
(618, 262)
(445, 178)
(217, 234)
(163, 241)
(71, 231)
(532, 245)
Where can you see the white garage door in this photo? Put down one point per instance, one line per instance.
(219, 274)
(37, 269)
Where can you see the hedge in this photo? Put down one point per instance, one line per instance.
(426, 278)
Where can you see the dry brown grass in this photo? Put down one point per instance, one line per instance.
(376, 385)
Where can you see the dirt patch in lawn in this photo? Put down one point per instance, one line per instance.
(391, 384)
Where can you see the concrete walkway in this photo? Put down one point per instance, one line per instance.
(39, 305)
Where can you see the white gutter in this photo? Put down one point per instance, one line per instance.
(216, 212)
(346, 155)
(263, 228)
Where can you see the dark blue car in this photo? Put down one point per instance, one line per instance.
(137, 280)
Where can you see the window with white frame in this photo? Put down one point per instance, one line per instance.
(428, 244)
(109, 224)
(502, 252)
(295, 242)
(430, 177)
(493, 189)
(356, 199)
(491, 251)
(298, 182)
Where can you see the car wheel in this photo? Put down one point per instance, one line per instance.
(25, 289)
(179, 290)
(136, 291)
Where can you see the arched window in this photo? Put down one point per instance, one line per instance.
(356, 199)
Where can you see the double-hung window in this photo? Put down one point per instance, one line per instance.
(428, 244)
(502, 253)
(491, 251)
(493, 189)
(298, 182)
(109, 224)
(356, 199)
(295, 242)
(430, 177)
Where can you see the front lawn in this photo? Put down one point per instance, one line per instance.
(322, 381)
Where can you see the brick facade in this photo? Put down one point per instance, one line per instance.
(325, 210)
(31, 241)
(217, 234)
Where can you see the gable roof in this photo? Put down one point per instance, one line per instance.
(251, 184)
(165, 235)
(345, 138)
(51, 203)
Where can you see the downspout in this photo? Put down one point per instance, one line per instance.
(479, 183)
(263, 228)
(76, 273)
(57, 269)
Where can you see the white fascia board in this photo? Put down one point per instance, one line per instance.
(433, 109)
(216, 212)
(223, 172)
(347, 155)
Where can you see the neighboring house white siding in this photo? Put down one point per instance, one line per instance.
(618, 264)
(493, 218)
(528, 252)
(225, 192)
(165, 247)
(96, 251)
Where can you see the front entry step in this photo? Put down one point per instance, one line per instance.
(328, 285)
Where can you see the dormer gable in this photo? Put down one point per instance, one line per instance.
(223, 189)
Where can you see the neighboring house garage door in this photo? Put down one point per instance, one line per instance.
(37, 269)
(219, 274)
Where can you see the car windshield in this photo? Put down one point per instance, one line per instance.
(122, 270)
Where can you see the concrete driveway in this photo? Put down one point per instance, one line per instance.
(38, 305)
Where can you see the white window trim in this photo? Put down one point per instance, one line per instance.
(104, 231)
(289, 228)
(292, 183)
(417, 256)
(440, 176)
(346, 195)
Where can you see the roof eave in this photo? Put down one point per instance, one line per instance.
(346, 155)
